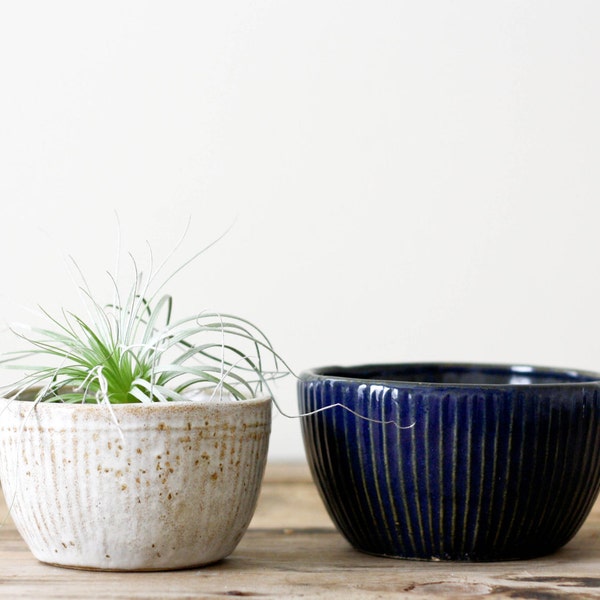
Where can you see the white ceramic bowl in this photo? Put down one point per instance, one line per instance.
(174, 485)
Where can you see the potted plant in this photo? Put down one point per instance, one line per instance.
(135, 441)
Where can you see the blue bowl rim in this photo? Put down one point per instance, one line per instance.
(584, 377)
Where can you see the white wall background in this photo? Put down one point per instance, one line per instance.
(411, 180)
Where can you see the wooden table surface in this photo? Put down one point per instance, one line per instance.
(293, 551)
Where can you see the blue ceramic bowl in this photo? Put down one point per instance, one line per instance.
(454, 461)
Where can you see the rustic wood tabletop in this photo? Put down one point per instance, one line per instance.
(293, 551)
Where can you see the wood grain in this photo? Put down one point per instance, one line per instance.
(293, 551)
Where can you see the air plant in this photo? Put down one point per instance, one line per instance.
(132, 350)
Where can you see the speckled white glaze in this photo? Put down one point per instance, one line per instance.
(173, 486)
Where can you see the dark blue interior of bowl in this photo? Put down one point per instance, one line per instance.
(464, 374)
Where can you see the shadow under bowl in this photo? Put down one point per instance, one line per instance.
(439, 461)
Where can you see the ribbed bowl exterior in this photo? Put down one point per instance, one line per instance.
(172, 486)
(476, 473)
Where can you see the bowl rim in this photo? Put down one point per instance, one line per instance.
(134, 408)
(592, 378)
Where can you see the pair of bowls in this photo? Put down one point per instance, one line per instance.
(453, 461)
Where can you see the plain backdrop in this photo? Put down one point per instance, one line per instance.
(407, 180)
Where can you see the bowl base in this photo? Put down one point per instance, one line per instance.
(134, 569)
(462, 558)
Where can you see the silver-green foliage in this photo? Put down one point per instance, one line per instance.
(132, 350)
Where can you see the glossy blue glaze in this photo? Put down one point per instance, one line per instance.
(473, 462)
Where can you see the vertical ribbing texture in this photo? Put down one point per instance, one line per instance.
(479, 477)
